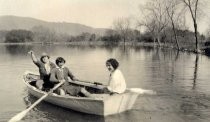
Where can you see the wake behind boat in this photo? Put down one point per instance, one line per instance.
(103, 106)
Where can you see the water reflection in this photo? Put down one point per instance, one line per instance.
(18, 49)
(195, 71)
(193, 106)
(181, 80)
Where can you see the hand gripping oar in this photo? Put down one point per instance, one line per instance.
(20, 115)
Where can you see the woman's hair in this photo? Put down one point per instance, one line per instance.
(59, 60)
(113, 62)
(41, 58)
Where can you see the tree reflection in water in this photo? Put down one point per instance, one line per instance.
(18, 49)
(195, 71)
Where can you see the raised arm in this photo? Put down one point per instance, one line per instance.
(33, 57)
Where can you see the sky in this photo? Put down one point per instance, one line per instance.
(94, 13)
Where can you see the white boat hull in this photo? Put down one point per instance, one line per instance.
(113, 104)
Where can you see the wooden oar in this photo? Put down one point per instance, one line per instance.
(142, 91)
(95, 83)
(101, 86)
(20, 115)
(136, 90)
(88, 84)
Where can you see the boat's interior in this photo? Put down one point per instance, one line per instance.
(90, 87)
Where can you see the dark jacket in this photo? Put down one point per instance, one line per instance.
(43, 73)
(61, 74)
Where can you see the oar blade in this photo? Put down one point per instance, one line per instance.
(18, 117)
(142, 91)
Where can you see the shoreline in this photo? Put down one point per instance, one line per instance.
(84, 43)
(100, 43)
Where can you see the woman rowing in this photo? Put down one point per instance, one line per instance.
(63, 74)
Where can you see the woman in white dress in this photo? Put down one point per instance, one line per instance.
(116, 83)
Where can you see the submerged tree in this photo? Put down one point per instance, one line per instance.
(192, 5)
(171, 8)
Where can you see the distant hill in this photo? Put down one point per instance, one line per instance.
(14, 22)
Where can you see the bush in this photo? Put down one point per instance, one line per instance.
(111, 38)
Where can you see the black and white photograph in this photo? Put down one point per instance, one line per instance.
(105, 60)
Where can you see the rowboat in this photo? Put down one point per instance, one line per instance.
(108, 105)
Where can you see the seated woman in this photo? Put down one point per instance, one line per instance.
(116, 82)
(45, 66)
(63, 74)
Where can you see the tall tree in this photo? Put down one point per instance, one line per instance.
(155, 18)
(192, 5)
(171, 8)
(123, 27)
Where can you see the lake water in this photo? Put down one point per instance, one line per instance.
(180, 79)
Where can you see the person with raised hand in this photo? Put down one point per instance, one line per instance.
(45, 66)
